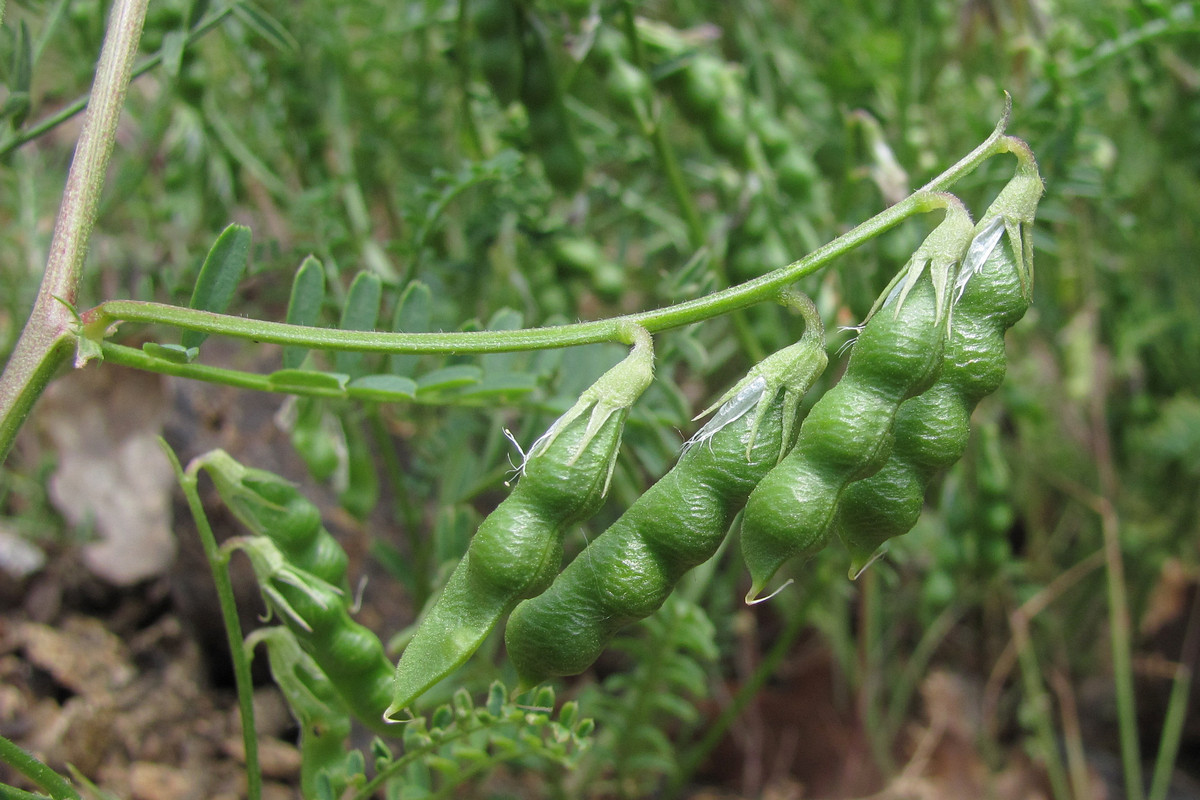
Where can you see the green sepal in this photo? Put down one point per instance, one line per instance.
(264, 502)
(271, 567)
(942, 252)
(1017, 204)
(615, 391)
(792, 370)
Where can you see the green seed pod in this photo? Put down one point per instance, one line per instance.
(272, 507)
(772, 134)
(313, 440)
(847, 434)
(626, 573)
(709, 96)
(582, 255)
(323, 722)
(350, 655)
(562, 163)
(700, 88)
(518, 549)
(539, 86)
(932, 430)
(729, 136)
(795, 173)
(749, 260)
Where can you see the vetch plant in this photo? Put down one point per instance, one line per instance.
(968, 282)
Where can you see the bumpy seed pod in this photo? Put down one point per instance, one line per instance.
(847, 434)
(700, 88)
(272, 507)
(627, 572)
(350, 655)
(795, 172)
(581, 255)
(323, 722)
(518, 549)
(932, 430)
(709, 95)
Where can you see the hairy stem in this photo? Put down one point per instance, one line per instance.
(764, 288)
(717, 304)
(46, 341)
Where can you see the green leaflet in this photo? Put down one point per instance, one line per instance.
(219, 276)
(304, 305)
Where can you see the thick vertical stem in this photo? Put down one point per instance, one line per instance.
(45, 342)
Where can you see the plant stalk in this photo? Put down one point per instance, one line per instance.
(1122, 653)
(46, 341)
(1177, 706)
(218, 562)
(764, 288)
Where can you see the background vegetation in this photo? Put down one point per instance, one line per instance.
(364, 134)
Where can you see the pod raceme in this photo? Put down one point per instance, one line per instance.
(518, 548)
(627, 572)
(848, 433)
(932, 430)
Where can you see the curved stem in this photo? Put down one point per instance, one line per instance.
(766, 287)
